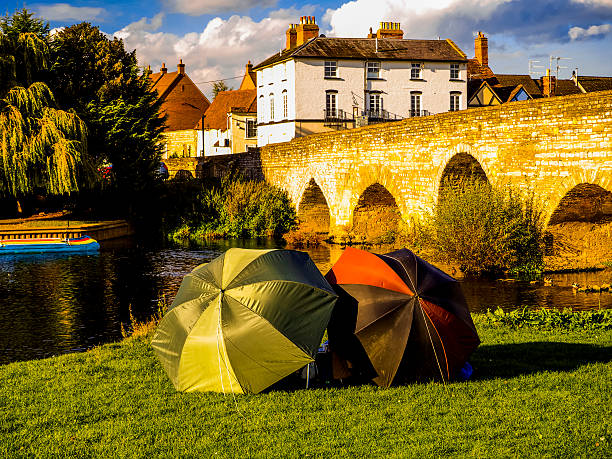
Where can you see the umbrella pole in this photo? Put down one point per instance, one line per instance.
(307, 375)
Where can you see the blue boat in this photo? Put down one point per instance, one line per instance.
(49, 245)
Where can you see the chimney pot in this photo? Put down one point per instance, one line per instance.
(481, 49)
(163, 68)
(181, 67)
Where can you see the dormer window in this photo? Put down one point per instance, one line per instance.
(331, 69)
(416, 71)
(373, 69)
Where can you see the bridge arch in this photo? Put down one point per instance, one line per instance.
(376, 213)
(462, 161)
(584, 196)
(313, 209)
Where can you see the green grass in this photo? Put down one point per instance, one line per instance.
(535, 393)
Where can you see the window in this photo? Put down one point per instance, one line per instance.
(454, 101)
(415, 104)
(454, 70)
(331, 104)
(285, 108)
(251, 129)
(331, 69)
(373, 69)
(375, 105)
(415, 71)
(271, 107)
(260, 109)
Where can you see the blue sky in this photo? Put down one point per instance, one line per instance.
(215, 38)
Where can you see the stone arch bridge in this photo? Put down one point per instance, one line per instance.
(559, 147)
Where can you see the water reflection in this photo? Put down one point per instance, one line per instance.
(61, 303)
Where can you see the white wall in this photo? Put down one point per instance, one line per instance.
(306, 87)
(394, 82)
(274, 80)
(212, 136)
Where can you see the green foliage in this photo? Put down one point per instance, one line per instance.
(485, 229)
(101, 81)
(219, 86)
(533, 394)
(40, 147)
(239, 208)
(551, 319)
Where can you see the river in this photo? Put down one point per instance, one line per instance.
(53, 304)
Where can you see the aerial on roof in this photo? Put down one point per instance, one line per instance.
(242, 100)
(371, 48)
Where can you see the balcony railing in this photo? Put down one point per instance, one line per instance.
(413, 113)
(336, 117)
(381, 116)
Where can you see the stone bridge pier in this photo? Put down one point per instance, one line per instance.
(560, 148)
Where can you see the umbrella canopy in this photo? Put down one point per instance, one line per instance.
(397, 318)
(244, 321)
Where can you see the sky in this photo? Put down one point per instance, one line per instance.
(216, 38)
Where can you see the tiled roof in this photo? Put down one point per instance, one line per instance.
(566, 88)
(366, 48)
(592, 83)
(529, 84)
(478, 71)
(182, 101)
(216, 115)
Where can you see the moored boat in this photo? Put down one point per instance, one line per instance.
(48, 245)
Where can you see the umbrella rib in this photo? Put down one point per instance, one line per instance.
(432, 344)
(405, 270)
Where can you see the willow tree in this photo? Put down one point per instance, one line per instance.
(41, 147)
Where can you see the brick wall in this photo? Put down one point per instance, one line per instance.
(547, 145)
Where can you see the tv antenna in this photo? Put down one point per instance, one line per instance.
(557, 66)
(533, 67)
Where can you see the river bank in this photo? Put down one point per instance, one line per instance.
(534, 393)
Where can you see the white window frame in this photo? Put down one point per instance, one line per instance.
(373, 69)
(375, 103)
(271, 107)
(252, 129)
(455, 101)
(416, 103)
(331, 69)
(285, 105)
(331, 104)
(455, 71)
(416, 71)
(261, 110)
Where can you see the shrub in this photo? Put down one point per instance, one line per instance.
(551, 319)
(485, 229)
(301, 239)
(239, 208)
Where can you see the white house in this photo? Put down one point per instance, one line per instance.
(318, 84)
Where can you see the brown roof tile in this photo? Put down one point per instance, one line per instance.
(182, 101)
(592, 83)
(216, 115)
(529, 84)
(477, 71)
(365, 48)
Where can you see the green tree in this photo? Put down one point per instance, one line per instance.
(41, 147)
(102, 81)
(219, 86)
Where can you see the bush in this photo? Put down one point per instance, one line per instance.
(239, 208)
(551, 319)
(484, 229)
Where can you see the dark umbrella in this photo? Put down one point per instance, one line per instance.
(397, 318)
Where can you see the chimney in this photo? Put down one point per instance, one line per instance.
(291, 36)
(181, 67)
(306, 29)
(481, 49)
(549, 84)
(390, 30)
(371, 34)
(163, 69)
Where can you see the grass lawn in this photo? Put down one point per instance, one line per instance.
(534, 393)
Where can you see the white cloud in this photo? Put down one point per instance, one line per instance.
(419, 19)
(199, 7)
(221, 50)
(578, 33)
(66, 12)
(594, 2)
